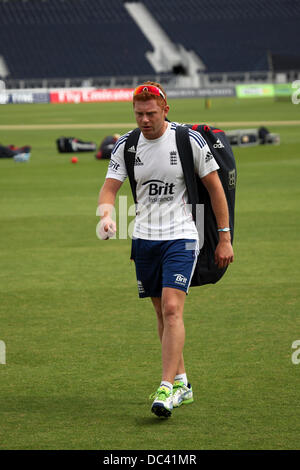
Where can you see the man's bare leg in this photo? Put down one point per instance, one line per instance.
(160, 329)
(169, 311)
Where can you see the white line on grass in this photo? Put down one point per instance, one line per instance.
(130, 125)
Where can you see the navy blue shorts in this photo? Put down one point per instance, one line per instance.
(165, 263)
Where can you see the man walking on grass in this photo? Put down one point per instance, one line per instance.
(165, 238)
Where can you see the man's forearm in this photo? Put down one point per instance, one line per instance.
(106, 202)
(220, 208)
(107, 197)
(106, 206)
(224, 252)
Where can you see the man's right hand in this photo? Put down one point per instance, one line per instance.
(107, 228)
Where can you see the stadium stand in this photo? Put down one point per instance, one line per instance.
(91, 38)
(81, 38)
(233, 36)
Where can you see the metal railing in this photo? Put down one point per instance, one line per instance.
(167, 80)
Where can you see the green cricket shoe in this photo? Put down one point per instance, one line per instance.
(182, 394)
(163, 402)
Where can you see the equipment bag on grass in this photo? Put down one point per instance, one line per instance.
(106, 146)
(11, 151)
(206, 271)
(70, 144)
(6, 152)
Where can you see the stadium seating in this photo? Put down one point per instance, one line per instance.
(232, 35)
(91, 38)
(82, 38)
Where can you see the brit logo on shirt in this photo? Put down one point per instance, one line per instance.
(173, 157)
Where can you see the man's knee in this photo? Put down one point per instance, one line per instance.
(171, 311)
(172, 305)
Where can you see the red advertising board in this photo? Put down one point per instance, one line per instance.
(91, 95)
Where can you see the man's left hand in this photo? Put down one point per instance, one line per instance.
(224, 254)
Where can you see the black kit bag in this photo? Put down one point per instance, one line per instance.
(206, 271)
(71, 144)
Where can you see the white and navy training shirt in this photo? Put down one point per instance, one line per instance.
(161, 211)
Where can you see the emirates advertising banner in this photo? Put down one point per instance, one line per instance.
(125, 94)
(91, 95)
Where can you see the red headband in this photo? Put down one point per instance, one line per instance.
(153, 90)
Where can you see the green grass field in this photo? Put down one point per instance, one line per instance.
(82, 352)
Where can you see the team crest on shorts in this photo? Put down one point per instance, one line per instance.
(141, 287)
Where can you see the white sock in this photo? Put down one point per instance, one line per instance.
(181, 378)
(164, 383)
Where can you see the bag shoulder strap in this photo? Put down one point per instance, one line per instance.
(129, 158)
(187, 161)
